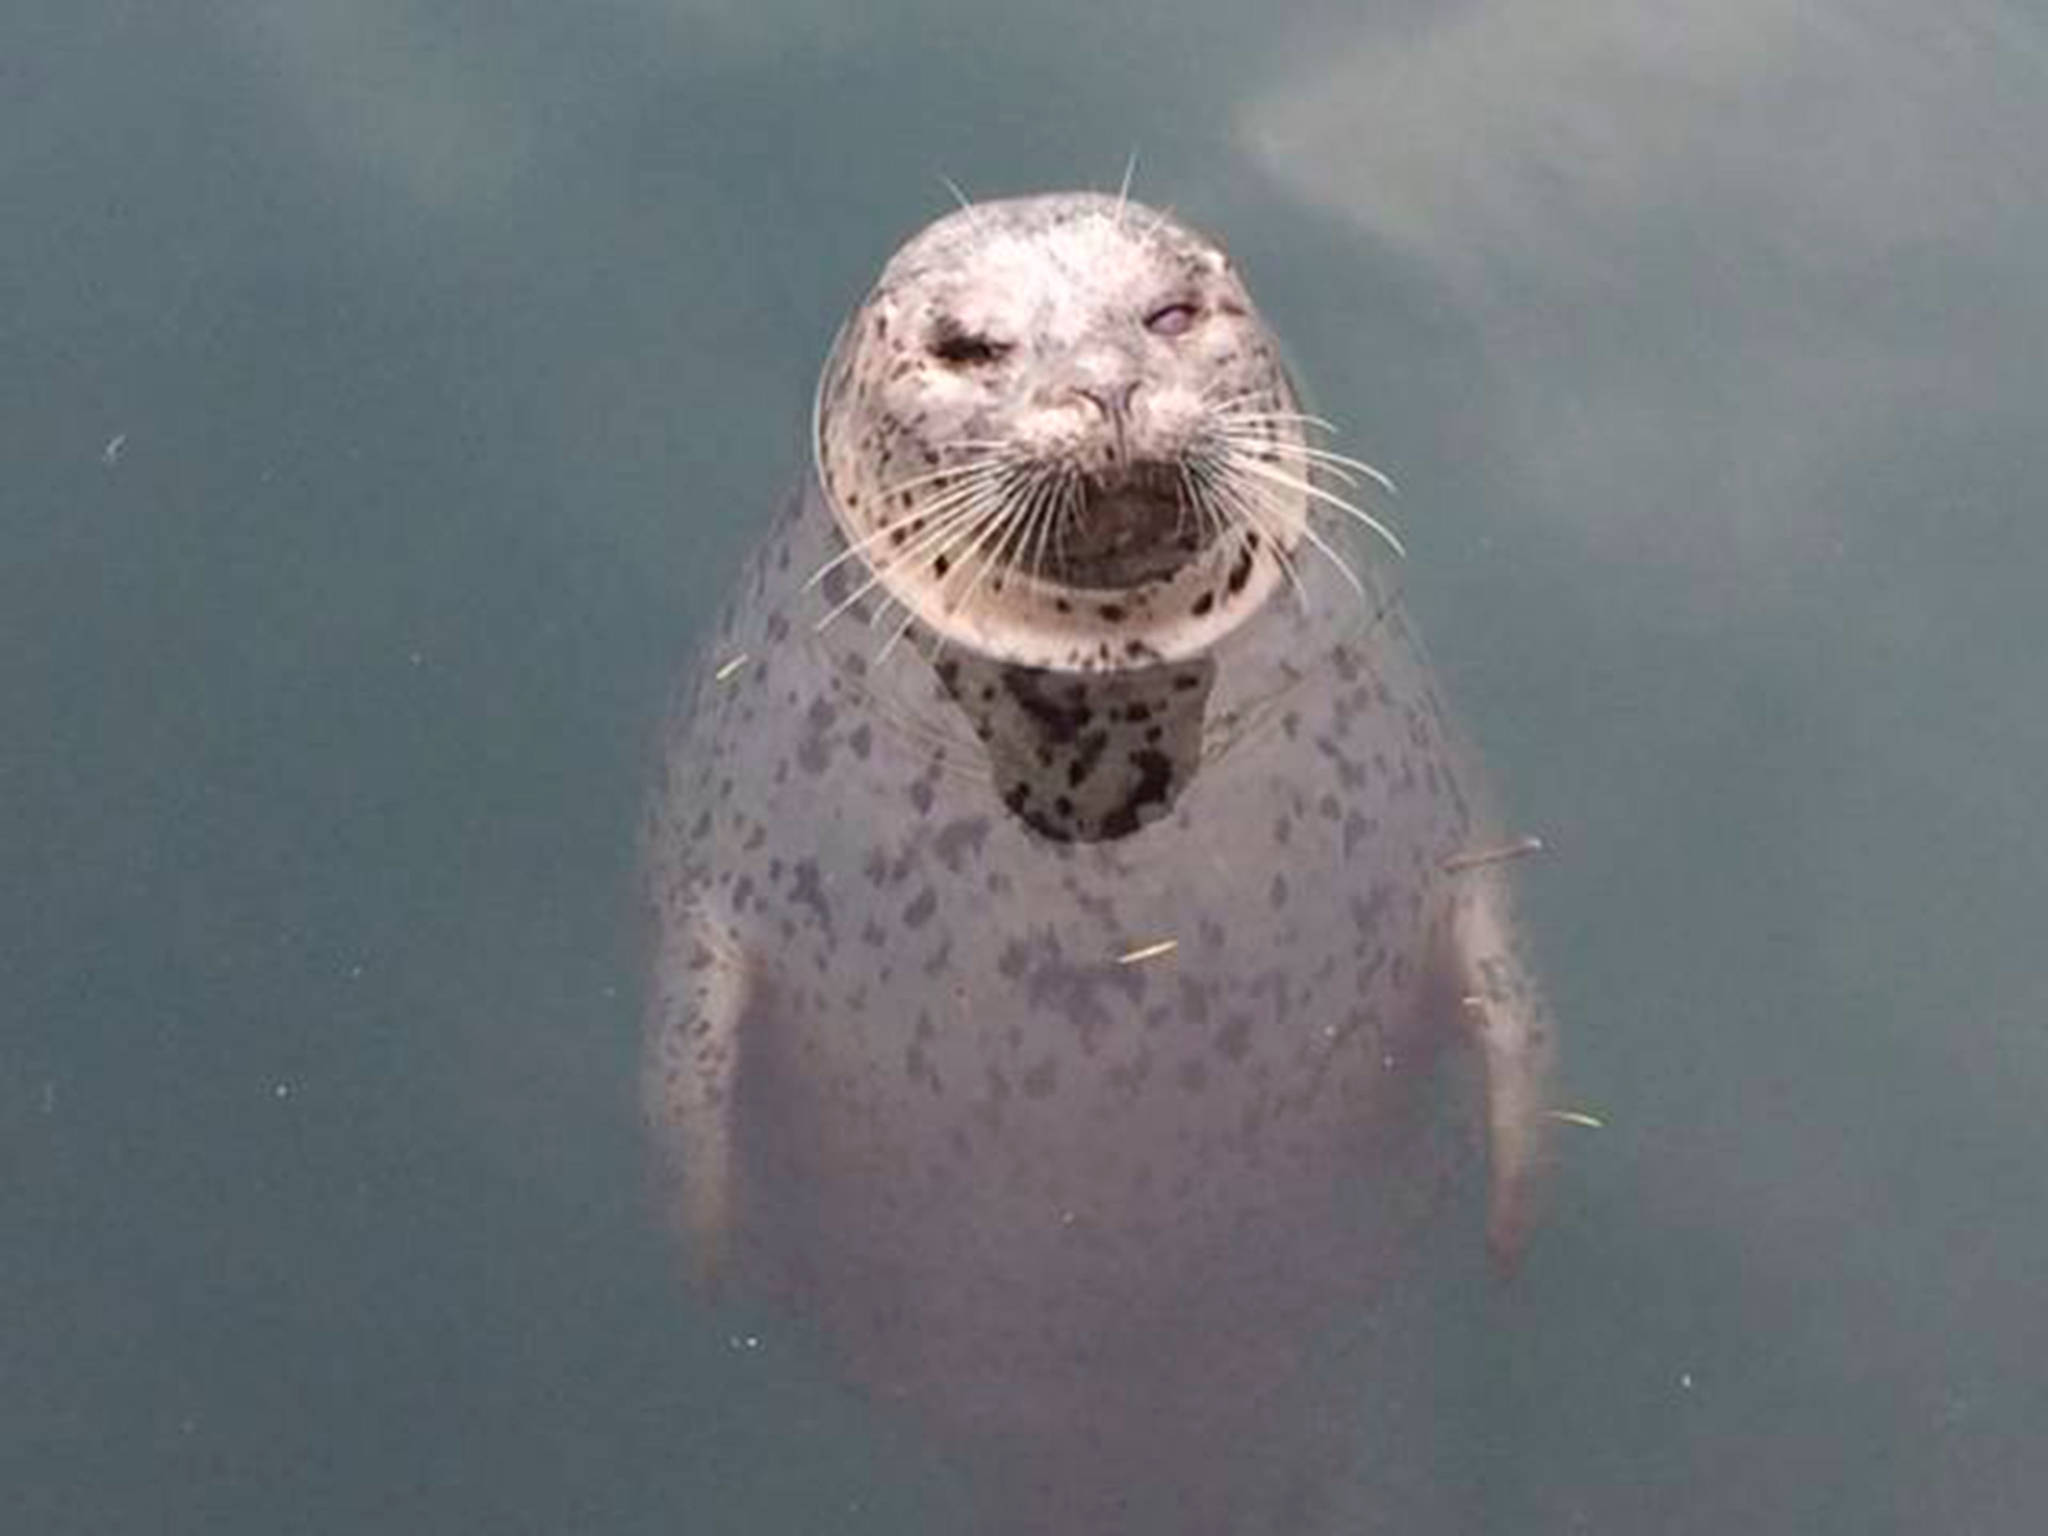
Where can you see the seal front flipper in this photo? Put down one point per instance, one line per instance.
(1517, 1038)
(701, 987)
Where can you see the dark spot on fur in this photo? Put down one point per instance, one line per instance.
(958, 840)
(1155, 779)
(807, 890)
(1086, 757)
(1366, 911)
(1234, 1039)
(920, 910)
(1127, 1078)
(814, 752)
(1356, 829)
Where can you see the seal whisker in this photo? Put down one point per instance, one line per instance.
(975, 475)
(1061, 489)
(1039, 508)
(1184, 508)
(1262, 495)
(966, 203)
(932, 520)
(1198, 477)
(994, 536)
(1246, 407)
(1123, 193)
(989, 463)
(1278, 451)
(983, 513)
(1006, 541)
(1260, 517)
(937, 531)
(1251, 466)
(1221, 403)
(890, 644)
(996, 508)
(1339, 464)
(996, 512)
(993, 533)
(1231, 413)
(1070, 510)
(1011, 551)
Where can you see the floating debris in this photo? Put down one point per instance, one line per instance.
(1148, 952)
(1577, 1117)
(1521, 847)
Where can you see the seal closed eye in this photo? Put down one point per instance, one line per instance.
(951, 343)
(1071, 950)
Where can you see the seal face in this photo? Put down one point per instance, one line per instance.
(1060, 435)
(1071, 914)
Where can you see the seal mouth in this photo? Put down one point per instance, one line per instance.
(1129, 527)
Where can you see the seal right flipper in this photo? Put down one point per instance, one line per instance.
(1517, 1039)
(701, 985)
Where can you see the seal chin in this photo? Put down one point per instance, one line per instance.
(1131, 527)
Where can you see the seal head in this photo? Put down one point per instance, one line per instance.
(1059, 435)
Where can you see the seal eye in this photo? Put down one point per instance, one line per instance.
(1175, 319)
(966, 349)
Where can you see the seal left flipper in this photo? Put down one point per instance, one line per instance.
(701, 991)
(1517, 1038)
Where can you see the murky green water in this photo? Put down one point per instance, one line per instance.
(386, 390)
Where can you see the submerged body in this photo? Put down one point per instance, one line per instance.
(1066, 922)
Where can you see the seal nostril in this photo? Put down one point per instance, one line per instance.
(1113, 400)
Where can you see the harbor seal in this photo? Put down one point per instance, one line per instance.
(1071, 914)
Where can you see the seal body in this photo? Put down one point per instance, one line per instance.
(1065, 1009)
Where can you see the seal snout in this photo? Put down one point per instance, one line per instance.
(1113, 400)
